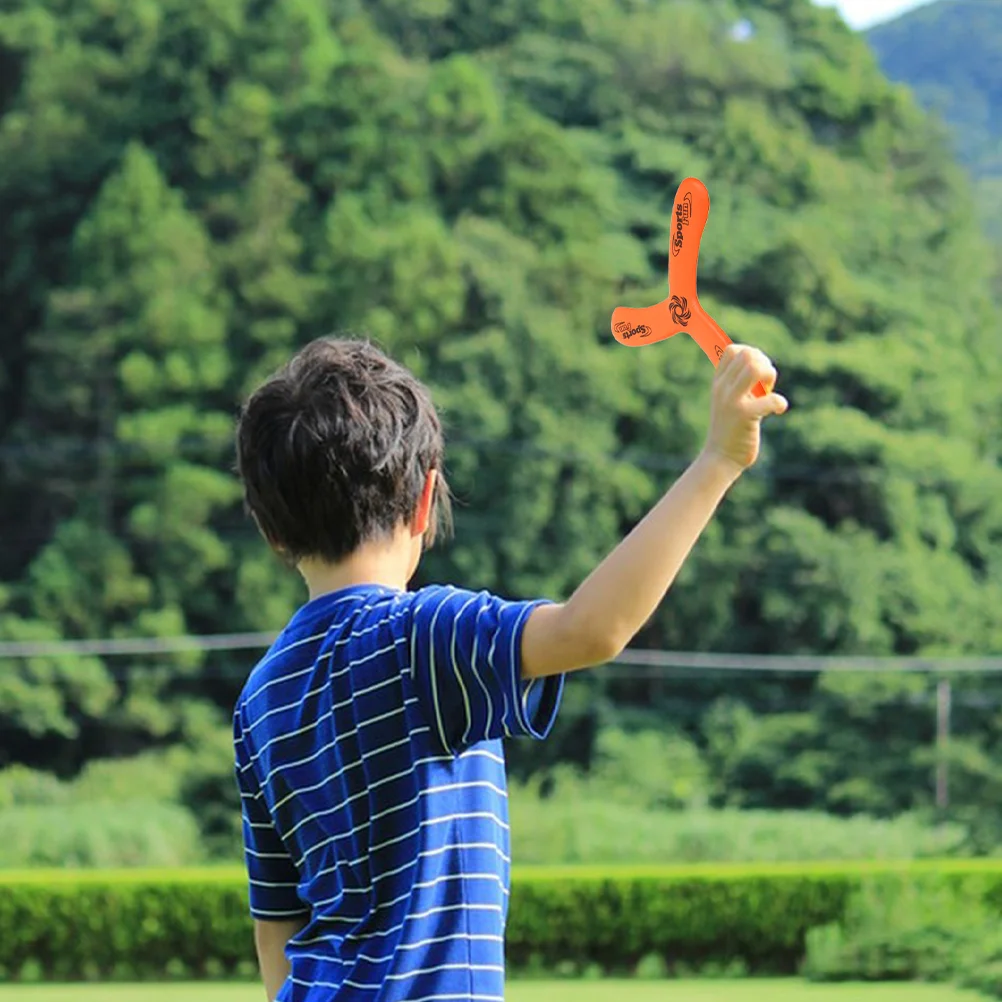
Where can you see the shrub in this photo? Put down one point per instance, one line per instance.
(95, 835)
(170, 807)
(578, 826)
(149, 924)
(153, 775)
(140, 923)
(691, 918)
(985, 978)
(648, 769)
(21, 786)
(901, 930)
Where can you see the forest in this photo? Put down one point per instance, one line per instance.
(948, 53)
(191, 190)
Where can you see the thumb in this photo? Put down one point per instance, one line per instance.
(771, 403)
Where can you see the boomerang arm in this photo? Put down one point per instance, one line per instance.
(709, 335)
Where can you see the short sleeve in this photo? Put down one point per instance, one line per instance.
(273, 879)
(465, 655)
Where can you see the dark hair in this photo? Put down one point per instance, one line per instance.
(334, 450)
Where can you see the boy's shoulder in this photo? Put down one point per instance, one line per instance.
(353, 620)
(456, 651)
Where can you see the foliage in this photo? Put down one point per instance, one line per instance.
(900, 931)
(949, 53)
(581, 824)
(136, 833)
(191, 191)
(195, 922)
(649, 769)
(155, 809)
(74, 927)
(559, 817)
(556, 819)
(758, 915)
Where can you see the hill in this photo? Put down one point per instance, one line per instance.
(950, 54)
(190, 191)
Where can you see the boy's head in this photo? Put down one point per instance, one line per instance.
(338, 449)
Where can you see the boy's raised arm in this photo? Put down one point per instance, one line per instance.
(610, 607)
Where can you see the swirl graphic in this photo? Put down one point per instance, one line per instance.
(679, 308)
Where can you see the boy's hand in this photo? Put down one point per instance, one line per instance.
(736, 415)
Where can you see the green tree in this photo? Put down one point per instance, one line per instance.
(190, 192)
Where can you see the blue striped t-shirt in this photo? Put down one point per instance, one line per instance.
(372, 778)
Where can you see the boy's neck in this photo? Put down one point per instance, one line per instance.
(390, 563)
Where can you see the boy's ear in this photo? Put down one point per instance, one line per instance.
(422, 516)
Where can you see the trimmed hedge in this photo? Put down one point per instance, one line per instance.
(99, 925)
(706, 916)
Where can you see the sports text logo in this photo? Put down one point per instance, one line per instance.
(625, 331)
(683, 215)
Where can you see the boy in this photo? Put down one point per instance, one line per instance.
(368, 739)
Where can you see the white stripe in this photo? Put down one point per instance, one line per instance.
(401, 947)
(457, 619)
(437, 910)
(412, 916)
(427, 823)
(354, 730)
(409, 772)
(477, 752)
(354, 635)
(266, 855)
(526, 692)
(491, 654)
(523, 715)
(300, 790)
(269, 883)
(444, 967)
(325, 683)
(459, 998)
(327, 747)
(488, 702)
(410, 890)
(465, 997)
(381, 782)
(424, 854)
(273, 656)
(429, 970)
(433, 673)
(379, 876)
(313, 724)
(470, 753)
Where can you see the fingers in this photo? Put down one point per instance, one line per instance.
(771, 403)
(729, 358)
(755, 368)
(741, 367)
(729, 369)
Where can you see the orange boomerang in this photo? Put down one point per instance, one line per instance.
(637, 328)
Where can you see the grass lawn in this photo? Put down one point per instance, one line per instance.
(529, 991)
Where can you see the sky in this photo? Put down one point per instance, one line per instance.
(865, 13)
